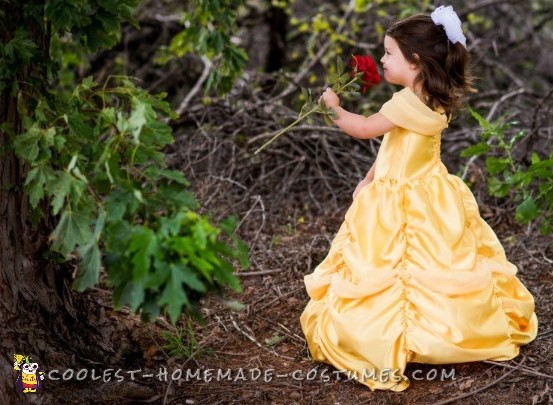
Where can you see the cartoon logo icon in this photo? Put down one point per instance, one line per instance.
(29, 380)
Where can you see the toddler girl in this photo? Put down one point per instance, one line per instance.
(414, 274)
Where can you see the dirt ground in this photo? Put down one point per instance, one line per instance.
(274, 301)
(258, 355)
(261, 371)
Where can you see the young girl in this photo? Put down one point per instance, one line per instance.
(414, 274)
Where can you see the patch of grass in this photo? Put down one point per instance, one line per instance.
(183, 343)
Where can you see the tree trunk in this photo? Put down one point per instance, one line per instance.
(40, 316)
(277, 20)
(33, 293)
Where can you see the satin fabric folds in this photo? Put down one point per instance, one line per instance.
(414, 274)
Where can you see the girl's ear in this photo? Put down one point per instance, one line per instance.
(415, 64)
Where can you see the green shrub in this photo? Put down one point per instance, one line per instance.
(531, 188)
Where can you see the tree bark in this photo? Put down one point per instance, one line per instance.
(40, 316)
(33, 293)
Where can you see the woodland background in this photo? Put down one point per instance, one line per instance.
(232, 91)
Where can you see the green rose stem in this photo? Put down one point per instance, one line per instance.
(279, 133)
(301, 117)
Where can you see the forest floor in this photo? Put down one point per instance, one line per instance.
(275, 300)
(263, 350)
(288, 215)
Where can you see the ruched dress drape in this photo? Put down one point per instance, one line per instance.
(414, 274)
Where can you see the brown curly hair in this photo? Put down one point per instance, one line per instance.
(445, 73)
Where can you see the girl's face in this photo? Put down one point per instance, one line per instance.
(397, 69)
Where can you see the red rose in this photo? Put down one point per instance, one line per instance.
(365, 64)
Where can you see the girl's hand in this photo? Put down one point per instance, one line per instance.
(330, 98)
(365, 182)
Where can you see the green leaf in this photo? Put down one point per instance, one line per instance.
(21, 48)
(136, 294)
(156, 172)
(157, 134)
(89, 267)
(242, 253)
(201, 263)
(81, 129)
(497, 188)
(199, 234)
(143, 246)
(234, 305)
(527, 210)
(228, 225)
(339, 65)
(117, 236)
(88, 83)
(328, 120)
(26, 144)
(496, 165)
(305, 94)
(159, 276)
(274, 340)
(476, 150)
(333, 79)
(174, 194)
(37, 181)
(99, 225)
(73, 229)
(142, 112)
(170, 226)
(108, 115)
(60, 188)
(225, 273)
(481, 120)
(344, 78)
(542, 169)
(129, 293)
(519, 135)
(59, 142)
(191, 279)
(119, 202)
(174, 295)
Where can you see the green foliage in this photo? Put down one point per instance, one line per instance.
(95, 159)
(14, 53)
(531, 187)
(93, 23)
(209, 25)
(406, 8)
(100, 165)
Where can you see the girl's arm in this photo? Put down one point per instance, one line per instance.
(357, 125)
(362, 127)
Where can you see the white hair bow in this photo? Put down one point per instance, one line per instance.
(452, 24)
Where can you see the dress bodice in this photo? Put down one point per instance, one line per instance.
(407, 155)
(412, 149)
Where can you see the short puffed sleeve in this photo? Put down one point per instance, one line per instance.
(407, 111)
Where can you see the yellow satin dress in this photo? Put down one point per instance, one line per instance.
(414, 274)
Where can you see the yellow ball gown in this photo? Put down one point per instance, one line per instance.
(414, 274)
